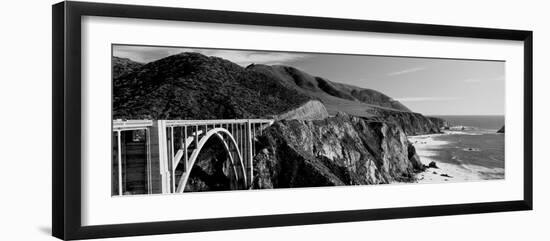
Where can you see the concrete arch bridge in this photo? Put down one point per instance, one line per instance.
(158, 156)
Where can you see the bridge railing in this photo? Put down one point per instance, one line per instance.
(242, 131)
(170, 145)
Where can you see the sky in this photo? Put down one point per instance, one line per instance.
(426, 85)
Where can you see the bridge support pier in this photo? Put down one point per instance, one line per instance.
(249, 153)
(159, 158)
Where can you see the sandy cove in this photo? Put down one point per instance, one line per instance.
(424, 145)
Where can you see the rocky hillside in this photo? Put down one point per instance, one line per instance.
(194, 86)
(340, 150)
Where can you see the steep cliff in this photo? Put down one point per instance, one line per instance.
(340, 150)
(440, 123)
(412, 123)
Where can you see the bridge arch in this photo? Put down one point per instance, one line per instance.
(218, 133)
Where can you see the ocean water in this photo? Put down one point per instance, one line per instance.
(482, 123)
(476, 147)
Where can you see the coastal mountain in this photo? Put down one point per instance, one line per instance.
(194, 86)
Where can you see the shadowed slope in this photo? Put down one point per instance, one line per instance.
(122, 66)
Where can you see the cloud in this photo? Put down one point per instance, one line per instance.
(242, 57)
(425, 99)
(143, 54)
(478, 80)
(406, 71)
(472, 80)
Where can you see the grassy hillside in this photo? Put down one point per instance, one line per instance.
(335, 96)
(194, 86)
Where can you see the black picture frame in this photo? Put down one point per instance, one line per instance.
(66, 127)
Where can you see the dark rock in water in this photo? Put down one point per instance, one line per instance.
(501, 130)
(341, 150)
(432, 165)
(471, 149)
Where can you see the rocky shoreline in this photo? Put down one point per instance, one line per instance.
(438, 171)
(340, 150)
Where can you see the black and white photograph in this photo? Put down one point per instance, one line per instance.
(188, 119)
(275, 120)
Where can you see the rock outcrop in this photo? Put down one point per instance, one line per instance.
(212, 170)
(341, 150)
(441, 123)
(311, 110)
